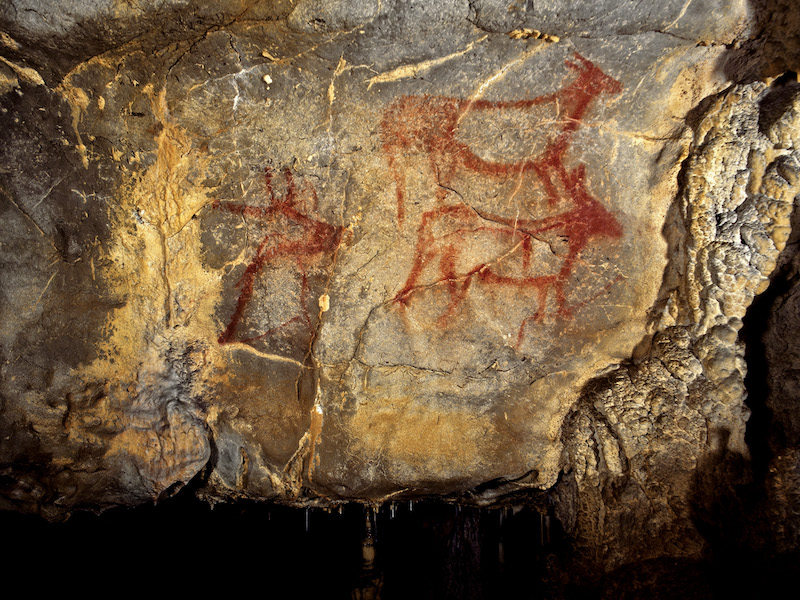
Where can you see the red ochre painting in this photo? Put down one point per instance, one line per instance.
(296, 240)
(448, 235)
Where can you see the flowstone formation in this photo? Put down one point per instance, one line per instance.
(328, 251)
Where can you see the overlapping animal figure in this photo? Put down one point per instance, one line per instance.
(447, 235)
(444, 256)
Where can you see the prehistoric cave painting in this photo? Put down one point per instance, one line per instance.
(448, 236)
(295, 240)
(459, 244)
(430, 125)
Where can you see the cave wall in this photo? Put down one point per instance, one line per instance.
(325, 251)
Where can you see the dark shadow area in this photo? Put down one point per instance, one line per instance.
(773, 46)
(739, 506)
(765, 431)
(422, 550)
(760, 425)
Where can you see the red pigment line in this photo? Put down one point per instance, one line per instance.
(317, 241)
(429, 125)
(586, 221)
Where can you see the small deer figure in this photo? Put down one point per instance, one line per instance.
(295, 237)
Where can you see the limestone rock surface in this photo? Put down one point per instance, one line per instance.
(324, 251)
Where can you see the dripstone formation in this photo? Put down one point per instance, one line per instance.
(325, 251)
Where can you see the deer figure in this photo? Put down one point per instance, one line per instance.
(430, 124)
(446, 230)
(295, 237)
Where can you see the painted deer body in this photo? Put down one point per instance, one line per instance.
(295, 238)
(430, 124)
(446, 231)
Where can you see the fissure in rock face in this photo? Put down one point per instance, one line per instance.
(321, 252)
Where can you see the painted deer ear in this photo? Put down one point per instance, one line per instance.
(268, 183)
(310, 191)
(572, 65)
(287, 174)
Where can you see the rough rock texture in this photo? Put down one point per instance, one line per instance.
(330, 250)
(647, 441)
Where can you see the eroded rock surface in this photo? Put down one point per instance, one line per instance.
(331, 251)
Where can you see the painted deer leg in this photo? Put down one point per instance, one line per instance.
(456, 290)
(558, 285)
(421, 260)
(423, 254)
(521, 333)
(246, 286)
(527, 247)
